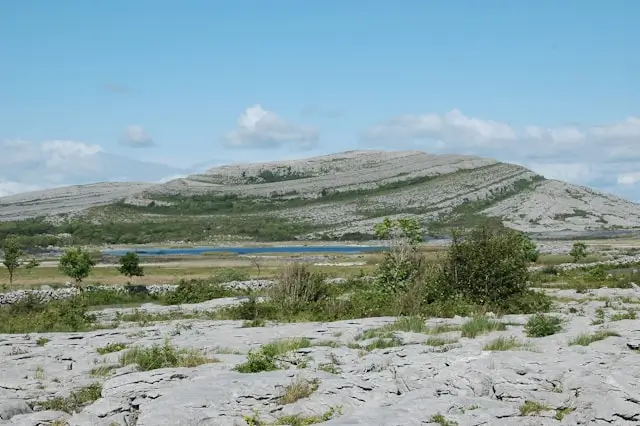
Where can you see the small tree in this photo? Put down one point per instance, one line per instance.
(530, 248)
(130, 265)
(403, 262)
(76, 263)
(487, 266)
(12, 254)
(578, 252)
(31, 265)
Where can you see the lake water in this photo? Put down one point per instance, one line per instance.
(245, 250)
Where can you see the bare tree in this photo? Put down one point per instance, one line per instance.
(256, 262)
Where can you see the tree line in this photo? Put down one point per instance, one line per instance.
(75, 262)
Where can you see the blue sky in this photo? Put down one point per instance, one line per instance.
(550, 85)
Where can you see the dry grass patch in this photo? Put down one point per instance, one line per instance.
(585, 339)
(439, 341)
(298, 389)
(532, 408)
(75, 401)
(405, 324)
(111, 347)
(506, 344)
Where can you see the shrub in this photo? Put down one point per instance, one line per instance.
(130, 265)
(31, 315)
(403, 263)
(529, 247)
(227, 275)
(12, 252)
(489, 266)
(578, 251)
(268, 357)
(541, 325)
(76, 263)
(297, 288)
(129, 294)
(196, 291)
(252, 310)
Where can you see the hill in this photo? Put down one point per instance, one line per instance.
(337, 196)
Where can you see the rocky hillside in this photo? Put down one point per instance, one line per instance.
(348, 192)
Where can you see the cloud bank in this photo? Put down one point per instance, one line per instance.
(28, 166)
(605, 154)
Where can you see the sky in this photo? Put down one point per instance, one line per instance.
(150, 90)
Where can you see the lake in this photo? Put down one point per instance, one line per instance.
(246, 250)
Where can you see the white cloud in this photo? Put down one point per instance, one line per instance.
(452, 127)
(135, 136)
(28, 166)
(595, 154)
(630, 178)
(9, 188)
(259, 128)
(569, 172)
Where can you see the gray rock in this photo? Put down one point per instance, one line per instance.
(13, 407)
(403, 385)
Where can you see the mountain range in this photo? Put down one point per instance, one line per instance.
(346, 193)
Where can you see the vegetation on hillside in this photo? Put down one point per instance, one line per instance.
(228, 215)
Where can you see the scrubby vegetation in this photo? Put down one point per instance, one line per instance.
(541, 325)
(163, 356)
(483, 270)
(76, 400)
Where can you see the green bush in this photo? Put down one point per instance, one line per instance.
(31, 315)
(485, 270)
(130, 294)
(578, 251)
(197, 291)
(529, 247)
(129, 265)
(487, 266)
(269, 357)
(76, 263)
(228, 275)
(541, 325)
(403, 262)
(252, 310)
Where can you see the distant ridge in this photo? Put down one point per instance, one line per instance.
(348, 192)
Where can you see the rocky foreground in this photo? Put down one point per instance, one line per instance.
(343, 374)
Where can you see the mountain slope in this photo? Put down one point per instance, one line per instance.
(344, 193)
